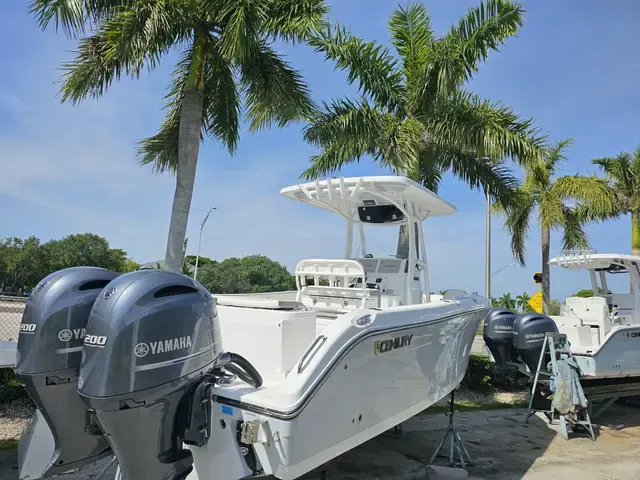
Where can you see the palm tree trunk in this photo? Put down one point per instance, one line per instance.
(635, 233)
(188, 149)
(546, 281)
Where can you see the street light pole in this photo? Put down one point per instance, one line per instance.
(195, 272)
(487, 268)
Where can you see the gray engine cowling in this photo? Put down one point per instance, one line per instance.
(63, 434)
(498, 336)
(528, 336)
(152, 338)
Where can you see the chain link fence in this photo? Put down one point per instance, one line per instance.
(11, 309)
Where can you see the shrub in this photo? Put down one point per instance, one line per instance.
(481, 376)
(10, 386)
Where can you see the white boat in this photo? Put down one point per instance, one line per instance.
(603, 330)
(8, 352)
(276, 383)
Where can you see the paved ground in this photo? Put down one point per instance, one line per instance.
(503, 447)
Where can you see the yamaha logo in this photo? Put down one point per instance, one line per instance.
(110, 292)
(76, 334)
(141, 350)
(162, 346)
(65, 335)
(534, 335)
(41, 285)
(503, 327)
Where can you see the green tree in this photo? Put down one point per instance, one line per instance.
(252, 274)
(587, 292)
(507, 302)
(227, 65)
(620, 192)
(522, 301)
(546, 194)
(413, 114)
(23, 263)
(85, 249)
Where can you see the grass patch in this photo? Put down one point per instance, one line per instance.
(10, 444)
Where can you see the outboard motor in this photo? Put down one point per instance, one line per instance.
(528, 336)
(62, 435)
(151, 346)
(498, 336)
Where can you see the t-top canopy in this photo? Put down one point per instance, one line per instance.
(371, 199)
(594, 261)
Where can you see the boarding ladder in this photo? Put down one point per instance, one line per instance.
(557, 345)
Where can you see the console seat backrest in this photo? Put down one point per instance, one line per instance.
(592, 310)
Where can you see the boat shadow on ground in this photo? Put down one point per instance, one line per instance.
(500, 443)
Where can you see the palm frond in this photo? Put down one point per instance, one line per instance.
(517, 224)
(490, 129)
(618, 169)
(573, 235)
(411, 34)
(551, 210)
(73, 16)
(597, 199)
(221, 101)
(400, 145)
(331, 159)
(431, 170)
(485, 28)
(274, 91)
(132, 38)
(554, 153)
(294, 20)
(367, 62)
(242, 24)
(492, 178)
(345, 121)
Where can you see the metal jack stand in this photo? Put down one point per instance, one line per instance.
(455, 441)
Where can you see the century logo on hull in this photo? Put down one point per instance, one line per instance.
(162, 346)
(384, 346)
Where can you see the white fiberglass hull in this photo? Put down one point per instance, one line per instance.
(618, 356)
(359, 385)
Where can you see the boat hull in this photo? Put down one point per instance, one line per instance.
(618, 356)
(383, 379)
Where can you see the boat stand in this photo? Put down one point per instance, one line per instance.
(455, 443)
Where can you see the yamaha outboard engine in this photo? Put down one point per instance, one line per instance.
(528, 336)
(151, 344)
(498, 336)
(62, 435)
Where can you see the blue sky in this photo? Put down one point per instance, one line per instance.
(64, 169)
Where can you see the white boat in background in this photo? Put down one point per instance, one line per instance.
(274, 383)
(8, 351)
(603, 330)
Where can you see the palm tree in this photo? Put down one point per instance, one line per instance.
(507, 302)
(413, 114)
(522, 301)
(621, 192)
(227, 62)
(548, 195)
